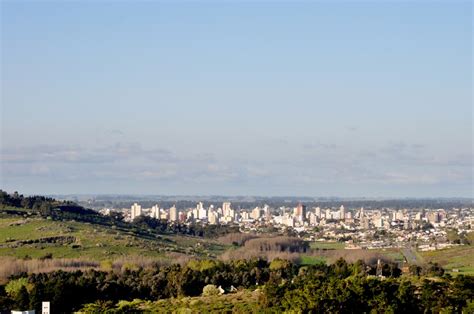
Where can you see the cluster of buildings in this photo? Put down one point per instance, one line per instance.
(199, 214)
(355, 226)
(291, 217)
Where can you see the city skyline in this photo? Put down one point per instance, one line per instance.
(305, 99)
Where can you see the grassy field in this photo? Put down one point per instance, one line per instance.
(311, 260)
(327, 245)
(101, 243)
(460, 257)
(17, 209)
(92, 241)
(392, 254)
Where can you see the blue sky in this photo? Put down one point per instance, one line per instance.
(237, 98)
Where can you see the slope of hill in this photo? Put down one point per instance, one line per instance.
(459, 258)
(37, 237)
(39, 234)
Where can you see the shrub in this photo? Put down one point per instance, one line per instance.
(210, 290)
(278, 264)
(106, 265)
(14, 286)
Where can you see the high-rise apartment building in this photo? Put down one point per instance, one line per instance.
(256, 213)
(226, 208)
(155, 212)
(300, 212)
(342, 212)
(173, 213)
(136, 211)
(328, 214)
(317, 211)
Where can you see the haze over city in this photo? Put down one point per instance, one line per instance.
(313, 99)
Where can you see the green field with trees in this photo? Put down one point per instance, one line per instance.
(458, 258)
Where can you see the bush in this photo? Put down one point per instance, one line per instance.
(106, 265)
(278, 264)
(210, 290)
(14, 286)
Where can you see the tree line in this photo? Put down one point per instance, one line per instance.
(338, 288)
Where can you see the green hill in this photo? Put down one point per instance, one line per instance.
(41, 227)
(38, 237)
